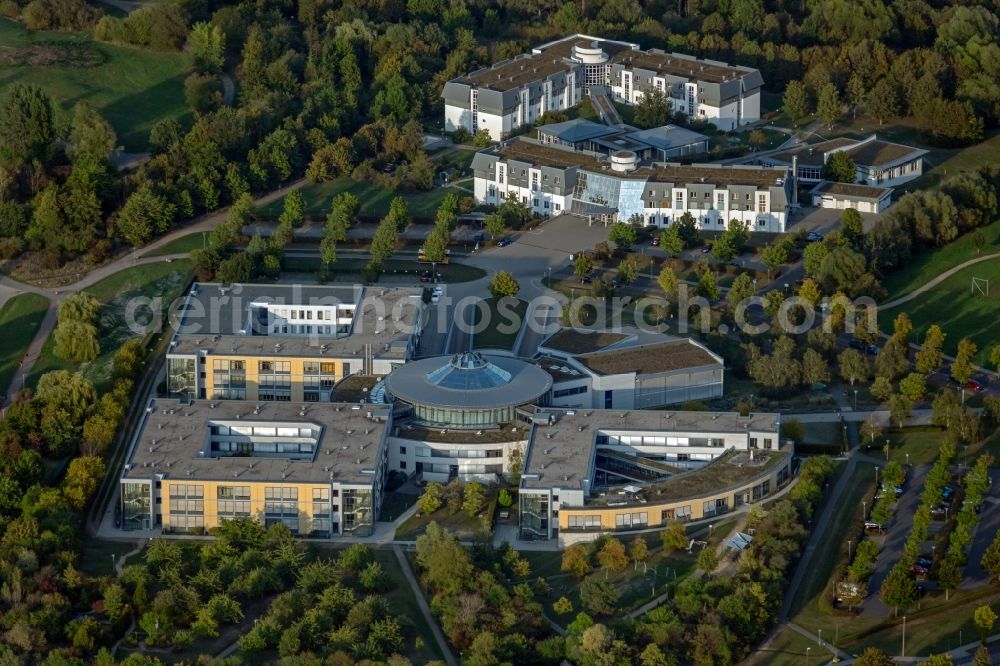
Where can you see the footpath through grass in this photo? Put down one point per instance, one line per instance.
(925, 266)
(20, 319)
(960, 311)
(182, 245)
(163, 280)
(131, 88)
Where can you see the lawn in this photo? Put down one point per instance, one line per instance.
(182, 245)
(499, 326)
(96, 559)
(463, 525)
(959, 312)
(20, 318)
(926, 265)
(789, 649)
(918, 446)
(161, 280)
(403, 603)
(131, 88)
(809, 604)
(374, 199)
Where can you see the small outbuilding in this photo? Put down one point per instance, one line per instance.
(863, 198)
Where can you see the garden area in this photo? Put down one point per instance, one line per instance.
(374, 199)
(165, 281)
(496, 322)
(464, 509)
(20, 319)
(131, 88)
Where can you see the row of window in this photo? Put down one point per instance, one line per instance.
(307, 315)
(428, 452)
(576, 390)
(264, 431)
(631, 520)
(662, 440)
(221, 367)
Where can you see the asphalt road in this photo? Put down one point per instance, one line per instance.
(892, 544)
(989, 526)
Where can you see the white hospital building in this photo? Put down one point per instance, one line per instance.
(556, 75)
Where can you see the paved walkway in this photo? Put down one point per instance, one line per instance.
(936, 281)
(404, 564)
(55, 296)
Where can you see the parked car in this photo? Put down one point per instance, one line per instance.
(436, 294)
(939, 511)
(504, 242)
(973, 385)
(425, 276)
(873, 526)
(655, 242)
(706, 249)
(919, 570)
(947, 493)
(924, 561)
(814, 236)
(861, 346)
(479, 237)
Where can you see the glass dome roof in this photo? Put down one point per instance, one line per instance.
(469, 370)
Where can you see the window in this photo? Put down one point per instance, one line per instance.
(584, 522)
(402, 450)
(761, 203)
(753, 442)
(402, 464)
(265, 366)
(624, 521)
(767, 443)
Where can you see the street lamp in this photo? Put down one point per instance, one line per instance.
(887, 449)
(903, 651)
(855, 399)
(808, 650)
(864, 508)
(820, 642)
(907, 458)
(876, 477)
(850, 542)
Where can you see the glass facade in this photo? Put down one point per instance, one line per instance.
(136, 501)
(534, 516)
(181, 378)
(358, 513)
(464, 418)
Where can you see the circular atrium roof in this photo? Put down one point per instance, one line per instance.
(468, 380)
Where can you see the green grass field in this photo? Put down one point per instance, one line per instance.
(180, 245)
(20, 318)
(928, 264)
(953, 306)
(163, 280)
(500, 328)
(374, 199)
(131, 88)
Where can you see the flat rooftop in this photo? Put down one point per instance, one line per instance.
(648, 359)
(510, 74)
(536, 153)
(577, 341)
(213, 321)
(175, 433)
(851, 190)
(566, 446)
(810, 154)
(730, 469)
(875, 153)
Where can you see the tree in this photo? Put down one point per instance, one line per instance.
(435, 246)
(995, 356)
(29, 125)
(984, 618)
(853, 366)
(961, 367)
(430, 499)
(653, 109)
(612, 555)
(144, 213)
(740, 290)
(913, 386)
(891, 360)
(599, 596)
(707, 286)
(707, 560)
(671, 241)
(815, 369)
(810, 291)
(398, 213)
(874, 657)
(840, 167)
(929, 356)
(900, 408)
(795, 101)
(667, 281)
(949, 575)
(622, 234)
(674, 537)
(982, 657)
(638, 550)
(90, 134)
(293, 211)
(991, 558)
(83, 476)
(881, 388)
(76, 341)
(575, 560)
(898, 589)
(882, 101)
(828, 106)
(473, 498)
(627, 272)
(870, 431)
(582, 264)
(774, 255)
(206, 46)
(563, 606)
(503, 284)
(384, 242)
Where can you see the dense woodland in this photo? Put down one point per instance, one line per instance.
(328, 89)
